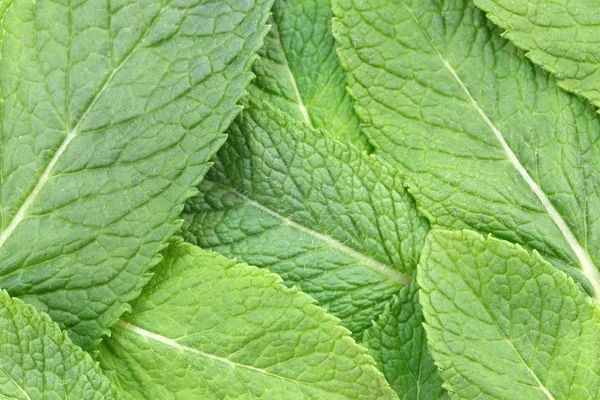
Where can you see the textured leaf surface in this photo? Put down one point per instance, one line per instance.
(502, 323)
(110, 114)
(299, 70)
(487, 140)
(561, 36)
(39, 361)
(227, 330)
(397, 342)
(336, 223)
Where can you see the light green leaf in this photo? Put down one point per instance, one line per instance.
(111, 111)
(504, 324)
(487, 140)
(39, 361)
(397, 342)
(300, 73)
(208, 328)
(329, 219)
(562, 36)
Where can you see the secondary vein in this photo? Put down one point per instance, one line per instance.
(582, 255)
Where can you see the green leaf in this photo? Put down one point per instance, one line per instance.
(504, 324)
(329, 219)
(110, 114)
(39, 361)
(300, 73)
(487, 140)
(207, 328)
(561, 36)
(397, 342)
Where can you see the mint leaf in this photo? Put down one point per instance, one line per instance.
(300, 73)
(38, 361)
(397, 342)
(329, 219)
(486, 140)
(229, 330)
(110, 114)
(561, 36)
(502, 323)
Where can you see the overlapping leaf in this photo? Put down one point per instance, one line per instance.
(299, 71)
(561, 36)
(487, 140)
(208, 328)
(39, 361)
(330, 220)
(502, 323)
(110, 114)
(397, 342)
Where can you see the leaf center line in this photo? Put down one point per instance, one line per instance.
(582, 255)
(301, 106)
(493, 320)
(375, 265)
(43, 179)
(172, 343)
(15, 382)
(533, 374)
(2, 33)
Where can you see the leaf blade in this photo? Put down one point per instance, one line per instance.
(502, 322)
(398, 343)
(482, 146)
(38, 360)
(332, 221)
(296, 349)
(105, 139)
(299, 71)
(558, 36)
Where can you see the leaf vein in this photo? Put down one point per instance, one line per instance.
(582, 255)
(172, 343)
(362, 258)
(45, 177)
(286, 64)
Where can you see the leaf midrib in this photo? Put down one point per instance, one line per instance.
(2, 32)
(174, 344)
(507, 340)
(46, 175)
(15, 382)
(493, 321)
(496, 324)
(529, 370)
(292, 78)
(589, 269)
(370, 262)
